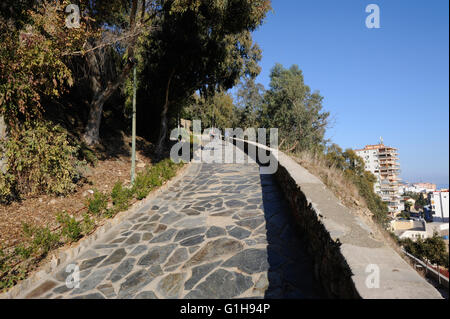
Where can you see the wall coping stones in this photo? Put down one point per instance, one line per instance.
(341, 243)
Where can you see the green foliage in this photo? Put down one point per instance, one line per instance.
(215, 38)
(290, 106)
(420, 202)
(408, 206)
(88, 224)
(42, 239)
(98, 203)
(23, 252)
(71, 229)
(40, 160)
(88, 154)
(405, 215)
(250, 103)
(431, 249)
(31, 66)
(217, 110)
(353, 167)
(121, 197)
(153, 177)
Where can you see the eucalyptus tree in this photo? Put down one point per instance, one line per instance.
(290, 106)
(250, 98)
(202, 47)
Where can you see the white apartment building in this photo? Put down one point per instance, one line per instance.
(382, 161)
(439, 206)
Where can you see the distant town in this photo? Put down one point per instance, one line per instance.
(418, 211)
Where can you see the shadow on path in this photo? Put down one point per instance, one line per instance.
(291, 272)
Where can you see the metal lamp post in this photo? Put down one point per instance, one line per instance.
(133, 143)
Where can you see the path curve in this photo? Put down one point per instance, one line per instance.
(223, 231)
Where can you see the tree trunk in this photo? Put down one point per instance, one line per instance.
(101, 95)
(163, 130)
(92, 131)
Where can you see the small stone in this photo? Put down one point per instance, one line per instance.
(185, 233)
(147, 236)
(118, 240)
(91, 296)
(156, 255)
(134, 282)
(251, 223)
(178, 256)
(198, 273)
(107, 290)
(239, 233)
(192, 241)
(146, 295)
(115, 257)
(61, 289)
(214, 250)
(90, 263)
(215, 231)
(250, 261)
(222, 284)
(235, 203)
(171, 285)
(41, 289)
(122, 270)
(160, 228)
(149, 227)
(166, 236)
(138, 250)
(171, 218)
(134, 239)
(91, 282)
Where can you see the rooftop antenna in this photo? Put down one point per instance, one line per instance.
(381, 140)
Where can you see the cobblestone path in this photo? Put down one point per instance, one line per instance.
(221, 232)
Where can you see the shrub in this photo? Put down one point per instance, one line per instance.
(142, 185)
(40, 160)
(88, 154)
(23, 252)
(121, 197)
(71, 228)
(88, 224)
(98, 203)
(42, 239)
(153, 177)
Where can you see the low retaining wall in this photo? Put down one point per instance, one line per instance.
(349, 262)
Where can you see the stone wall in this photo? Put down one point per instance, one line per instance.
(330, 267)
(347, 256)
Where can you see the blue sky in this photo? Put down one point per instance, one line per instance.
(390, 82)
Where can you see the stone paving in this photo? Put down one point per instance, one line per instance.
(223, 231)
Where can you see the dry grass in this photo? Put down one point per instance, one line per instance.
(333, 178)
(346, 192)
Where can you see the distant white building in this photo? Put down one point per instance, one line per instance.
(418, 188)
(382, 161)
(439, 206)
